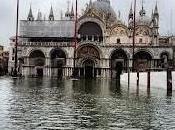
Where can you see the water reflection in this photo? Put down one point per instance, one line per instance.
(85, 104)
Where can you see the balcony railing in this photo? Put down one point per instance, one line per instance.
(46, 44)
(71, 44)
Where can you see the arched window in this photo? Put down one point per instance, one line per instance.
(90, 30)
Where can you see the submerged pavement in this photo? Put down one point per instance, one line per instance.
(47, 104)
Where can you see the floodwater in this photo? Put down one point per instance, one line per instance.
(49, 104)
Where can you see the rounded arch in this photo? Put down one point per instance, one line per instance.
(36, 53)
(91, 31)
(58, 49)
(118, 28)
(142, 60)
(94, 20)
(143, 29)
(141, 54)
(145, 51)
(118, 62)
(90, 28)
(88, 51)
(37, 58)
(57, 52)
(81, 62)
(58, 57)
(31, 50)
(121, 52)
(165, 53)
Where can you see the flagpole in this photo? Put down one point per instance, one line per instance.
(134, 32)
(16, 41)
(75, 38)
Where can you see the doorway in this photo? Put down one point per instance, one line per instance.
(60, 73)
(89, 69)
(40, 72)
(119, 69)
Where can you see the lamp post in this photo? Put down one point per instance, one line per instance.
(15, 73)
(134, 32)
(75, 39)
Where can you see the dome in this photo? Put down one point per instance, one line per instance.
(143, 19)
(104, 7)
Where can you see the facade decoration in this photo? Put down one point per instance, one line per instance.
(46, 46)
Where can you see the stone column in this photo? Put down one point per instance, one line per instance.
(93, 38)
(86, 37)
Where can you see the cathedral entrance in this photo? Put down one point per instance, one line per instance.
(37, 63)
(118, 63)
(118, 69)
(40, 72)
(58, 60)
(88, 57)
(142, 61)
(89, 68)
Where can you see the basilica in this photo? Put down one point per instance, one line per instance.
(104, 43)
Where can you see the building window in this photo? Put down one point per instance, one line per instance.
(140, 40)
(13, 51)
(13, 58)
(118, 41)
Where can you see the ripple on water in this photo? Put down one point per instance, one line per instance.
(93, 104)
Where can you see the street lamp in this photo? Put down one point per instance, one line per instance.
(15, 73)
(75, 39)
(134, 32)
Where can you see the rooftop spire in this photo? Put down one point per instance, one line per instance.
(68, 13)
(68, 6)
(142, 11)
(39, 17)
(51, 15)
(30, 15)
(156, 9)
(72, 11)
(131, 12)
(90, 4)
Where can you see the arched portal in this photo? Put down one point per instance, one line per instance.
(90, 31)
(88, 51)
(89, 67)
(142, 61)
(58, 61)
(88, 58)
(118, 63)
(37, 60)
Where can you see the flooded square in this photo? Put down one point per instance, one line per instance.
(49, 104)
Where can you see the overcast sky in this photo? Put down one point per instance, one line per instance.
(8, 12)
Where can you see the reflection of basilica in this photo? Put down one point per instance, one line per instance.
(104, 46)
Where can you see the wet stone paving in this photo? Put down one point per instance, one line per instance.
(50, 104)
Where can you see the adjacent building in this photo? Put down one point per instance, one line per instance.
(46, 46)
(1, 60)
(4, 55)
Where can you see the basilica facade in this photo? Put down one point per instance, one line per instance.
(46, 46)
